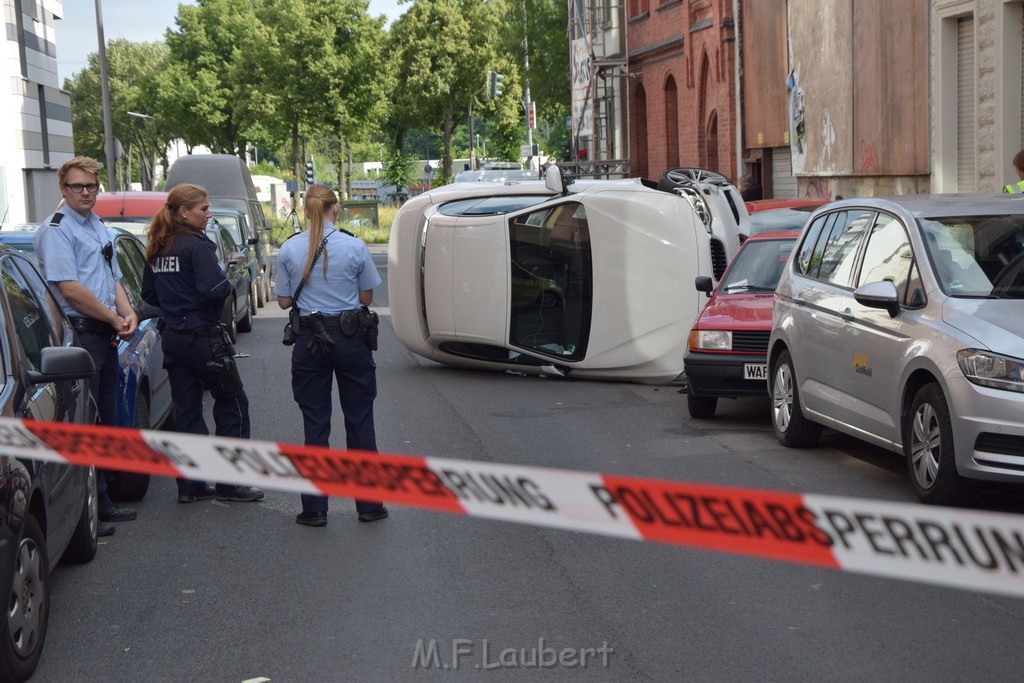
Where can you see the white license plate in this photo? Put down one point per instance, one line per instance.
(755, 371)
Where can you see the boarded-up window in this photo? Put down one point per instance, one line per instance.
(966, 167)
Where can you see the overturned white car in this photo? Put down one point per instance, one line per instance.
(589, 279)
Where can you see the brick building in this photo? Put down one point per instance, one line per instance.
(682, 85)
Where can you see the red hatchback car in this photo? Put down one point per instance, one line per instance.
(728, 345)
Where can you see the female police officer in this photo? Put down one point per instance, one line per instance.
(184, 279)
(337, 276)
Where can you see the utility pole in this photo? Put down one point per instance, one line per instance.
(526, 84)
(108, 120)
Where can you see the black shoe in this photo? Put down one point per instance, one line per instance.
(116, 514)
(311, 518)
(205, 493)
(103, 529)
(373, 516)
(241, 494)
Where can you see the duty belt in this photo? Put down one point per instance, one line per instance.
(348, 322)
(92, 326)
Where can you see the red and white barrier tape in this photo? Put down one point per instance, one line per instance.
(979, 551)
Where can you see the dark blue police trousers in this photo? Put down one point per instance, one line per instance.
(103, 387)
(351, 362)
(185, 357)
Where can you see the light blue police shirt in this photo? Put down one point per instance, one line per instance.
(350, 269)
(73, 250)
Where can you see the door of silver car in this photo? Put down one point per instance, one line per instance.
(812, 300)
(875, 341)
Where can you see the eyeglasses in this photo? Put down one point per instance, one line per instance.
(79, 187)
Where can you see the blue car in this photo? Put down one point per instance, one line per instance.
(143, 389)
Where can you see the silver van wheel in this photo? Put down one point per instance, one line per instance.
(929, 448)
(791, 428)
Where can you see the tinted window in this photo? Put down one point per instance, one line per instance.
(490, 206)
(230, 223)
(840, 251)
(31, 323)
(552, 281)
(888, 255)
(130, 273)
(806, 256)
(59, 325)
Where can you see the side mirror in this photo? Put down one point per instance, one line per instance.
(59, 363)
(253, 241)
(880, 294)
(703, 283)
(554, 181)
(267, 224)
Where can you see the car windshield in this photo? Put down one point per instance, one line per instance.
(757, 267)
(779, 219)
(977, 256)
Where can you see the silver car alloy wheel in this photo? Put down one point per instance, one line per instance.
(25, 604)
(782, 397)
(925, 445)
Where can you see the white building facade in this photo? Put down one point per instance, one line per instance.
(35, 114)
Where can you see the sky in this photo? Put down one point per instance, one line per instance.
(137, 20)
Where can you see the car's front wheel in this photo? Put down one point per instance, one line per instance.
(792, 429)
(27, 608)
(928, 445)
(82, 546)
(701, 407)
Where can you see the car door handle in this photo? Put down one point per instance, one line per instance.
(799, 300)
(846, 314)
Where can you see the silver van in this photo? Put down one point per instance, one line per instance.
(227, 180)
(901, 322)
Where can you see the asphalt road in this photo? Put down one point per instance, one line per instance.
(231, 592)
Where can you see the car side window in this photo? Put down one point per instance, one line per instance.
(889, 256)
(806, 263)
(840, 252)
(31, 323)
(59, 324)
(129, 273)
(552, 281)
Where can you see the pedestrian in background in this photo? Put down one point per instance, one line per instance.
(183, 277)
(328, 275)
(76, 256)
(750, 190)
(1018, 166)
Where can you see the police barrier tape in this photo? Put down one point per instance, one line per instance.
(975, 550)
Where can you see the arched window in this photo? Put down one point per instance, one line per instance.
(671, 124)
(639, 117)
(702, 107)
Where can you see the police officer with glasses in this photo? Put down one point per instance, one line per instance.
(76, 256)
(326, 278)
(183, 277)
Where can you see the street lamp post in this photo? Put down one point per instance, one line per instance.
(108, 119)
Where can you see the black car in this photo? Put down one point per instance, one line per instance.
(47, 510)
(237, 314)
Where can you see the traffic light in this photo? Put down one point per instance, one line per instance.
(310, 172)
(494, 84)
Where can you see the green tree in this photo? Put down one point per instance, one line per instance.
(442, 49)
(203, 92)
(133, 70)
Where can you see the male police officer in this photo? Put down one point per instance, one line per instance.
(77, 256)
(1018, 166)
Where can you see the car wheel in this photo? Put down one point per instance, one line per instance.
(232, 323)
(792, 429)
(268, 292)
(132, 485)
(254, 296)
(245, 324)
(260, 292)
(928, 445)
(82, 546)
(701, 407)
(23, 629)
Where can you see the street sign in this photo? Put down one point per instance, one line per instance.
(531, 115)
(526, 150)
